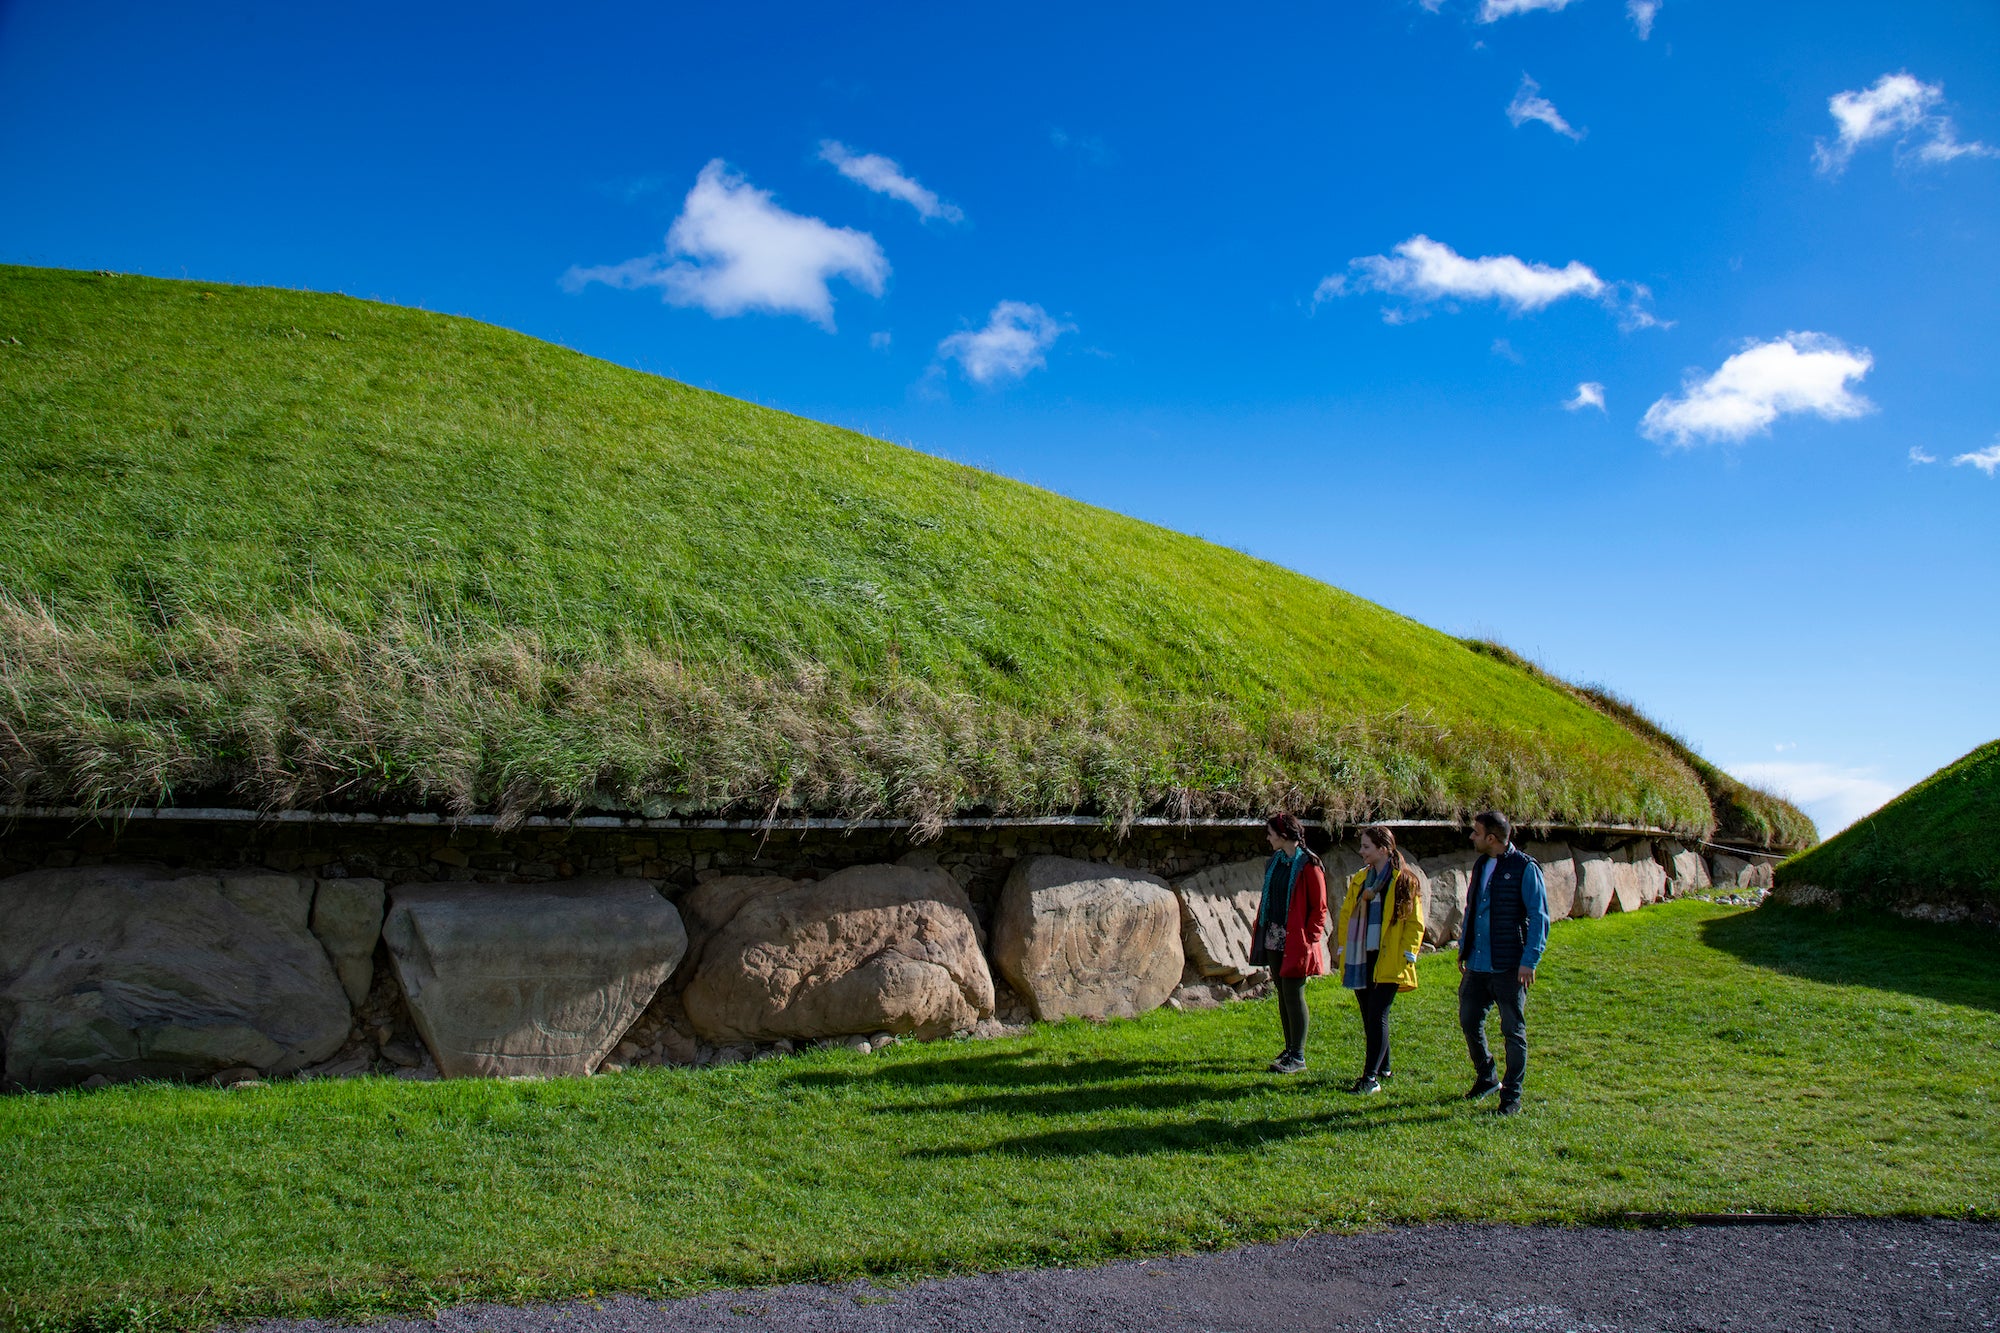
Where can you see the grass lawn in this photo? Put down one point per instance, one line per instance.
(289, 549)
(1687, 1058)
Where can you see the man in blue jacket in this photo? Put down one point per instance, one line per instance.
(1506, 929)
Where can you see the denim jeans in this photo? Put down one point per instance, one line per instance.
(1480, 991)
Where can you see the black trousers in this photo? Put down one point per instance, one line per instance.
(1480, 991)
(1293, 1014)
(1375, 1001)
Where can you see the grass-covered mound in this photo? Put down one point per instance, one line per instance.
(289, 549)
(1832, 1064)
(1744, 815)
(1932, 844)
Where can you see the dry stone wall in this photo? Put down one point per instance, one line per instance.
(191, 952)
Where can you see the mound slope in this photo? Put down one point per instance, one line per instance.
(1932, 844)
(294, 549)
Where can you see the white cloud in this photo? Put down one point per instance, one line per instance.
(1895, 106)
(1987, 460)
(1800, 372)
(733, 249)
(880, 340)
(883, 176)
(1489, 10)
(1944, 146)
(1917, 455)
(1643, 12)
(1588, 394)
(1012, 343)
(1529, 104)
(1428, 270)
(1834, 797)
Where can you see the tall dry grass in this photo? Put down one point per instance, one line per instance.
(299, 710)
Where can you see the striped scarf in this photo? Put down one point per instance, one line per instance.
(1364, 933)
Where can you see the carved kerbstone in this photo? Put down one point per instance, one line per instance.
(1098, 941)
(539, 979)
(140, 972)
(867, 949)
(1218, 912)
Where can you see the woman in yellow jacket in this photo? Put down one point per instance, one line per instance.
(1381, 930)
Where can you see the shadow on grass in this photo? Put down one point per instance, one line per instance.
(1863, 947)
(1209, 1136)
(1020, 1069)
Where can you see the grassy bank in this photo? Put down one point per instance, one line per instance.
(1933, 843)
(288, 549)
(1686, 1058)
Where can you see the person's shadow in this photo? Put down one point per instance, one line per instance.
(1867, 946)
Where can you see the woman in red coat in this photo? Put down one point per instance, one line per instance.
(1290, 931)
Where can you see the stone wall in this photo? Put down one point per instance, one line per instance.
(235, 951)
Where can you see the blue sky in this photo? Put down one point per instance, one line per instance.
(1321, 282)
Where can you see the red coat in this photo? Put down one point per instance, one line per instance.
(1305, 927)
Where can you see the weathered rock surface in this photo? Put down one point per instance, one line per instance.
(1074, 937)
(347, 918)
(139, 972)
(1447, 880)
(1636, 877)
(1558, 865)
(884, 948)
(1686, 871)
(539, 979)
(1738, 872)
(1596, 884)
(1218, 912)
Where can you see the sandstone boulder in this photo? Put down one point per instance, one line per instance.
(1558, 876)
(1218, 912)
(1447, 880)
(539, 979)
(1686, 871)
(882, 948)
(1596, 884)
(139, 972)
(1100, 941)
(347, 918)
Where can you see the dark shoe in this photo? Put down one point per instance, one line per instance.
(1365, 1087)
(1510, 1104)
(1289, 1064)
(1386, 1075)
(1482, 1085)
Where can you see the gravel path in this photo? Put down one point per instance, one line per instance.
(1894, 1276)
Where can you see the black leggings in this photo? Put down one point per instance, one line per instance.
(1375, 1002)
(1292, 1012)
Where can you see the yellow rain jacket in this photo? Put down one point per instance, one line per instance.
(1402, 938)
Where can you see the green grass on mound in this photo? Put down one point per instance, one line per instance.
(1934, 843)
(289, 549)
(1688, 1058)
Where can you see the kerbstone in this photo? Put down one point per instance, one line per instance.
(1218, 912)
(139, 972)
(347, 918)
(1083, 938)
(1596, 884)
(1686, 871)
(529, 979)
(871, 949)
(1558, 865)
(1447, 881)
